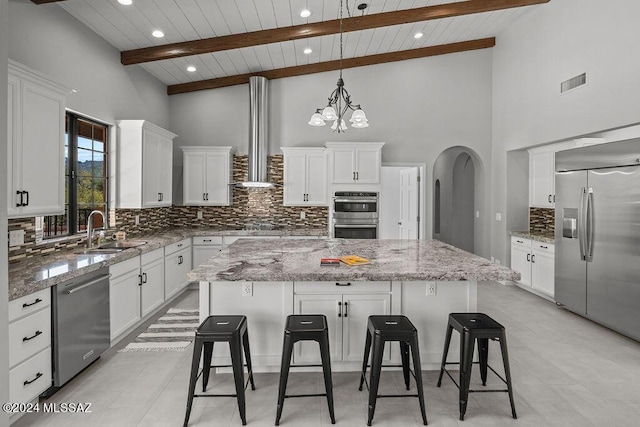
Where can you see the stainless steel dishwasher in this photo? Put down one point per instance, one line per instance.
(81, 326)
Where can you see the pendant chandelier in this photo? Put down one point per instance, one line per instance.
(339, 103)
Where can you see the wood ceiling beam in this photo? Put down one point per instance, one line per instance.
(46, 1)
(320, 67)
(357, 23)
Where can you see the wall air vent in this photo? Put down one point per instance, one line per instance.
(573, 83)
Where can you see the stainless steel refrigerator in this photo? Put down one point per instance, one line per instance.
(597, 268)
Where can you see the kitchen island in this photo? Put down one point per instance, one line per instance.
(268, 280)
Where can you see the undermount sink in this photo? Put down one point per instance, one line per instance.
(113, 247)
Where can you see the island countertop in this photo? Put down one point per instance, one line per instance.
(299, 260)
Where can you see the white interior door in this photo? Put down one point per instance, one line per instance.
(409, 212)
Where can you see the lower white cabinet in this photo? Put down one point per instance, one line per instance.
(347, 307)
(136, 289)
(29, 346)
(205, 247)
(177, 263)
(535, 262)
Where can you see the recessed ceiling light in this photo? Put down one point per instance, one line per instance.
(191, 69)
(157, 33)
(307, 50)
(305, 13)
(125, 2)
(417, 35)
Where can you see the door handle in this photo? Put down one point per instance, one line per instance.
(207, 197)
(590, 225)
(38, 375)
(357, 179)
(20, 203)
(533, 258)
(32, 336)
(180, 259)
(354, 176)
(346, 309)
(339, 308)
(144, 277)
(549, 198)
(528, 257)
(27, 202)
(204, 196)
(25, 305)
(158, 196)
(343, 284)
(139, 279)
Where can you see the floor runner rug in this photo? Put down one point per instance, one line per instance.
(174, 331)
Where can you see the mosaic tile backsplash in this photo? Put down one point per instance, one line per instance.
(251, 208)
(542, 221)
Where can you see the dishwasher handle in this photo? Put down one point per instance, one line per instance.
(86, 285)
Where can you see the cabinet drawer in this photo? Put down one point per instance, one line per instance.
(521, 241)
(152, 256)
(28, 304)
(341, 287)
(29, 335)
(175, 247)
(543, 247)
(124, 267)
(30, 378)
(207, 240)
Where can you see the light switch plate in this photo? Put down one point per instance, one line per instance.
(16, 238)
(498, 216)
(199, 214)
(303, 215)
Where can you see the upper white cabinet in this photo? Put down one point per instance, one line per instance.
(305, 176)
(354, 163)
(145, 164)
(207, 173)
(542, 177)
(35, 141)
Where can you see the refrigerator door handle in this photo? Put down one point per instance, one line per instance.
(582, 216)
(589, 225)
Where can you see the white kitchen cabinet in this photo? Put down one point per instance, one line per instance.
(145, 165)
(205, 247)
(535, 262)
(152, 287)
(305, 176)
(207, 173)
(347, 307)
(35, 158)
(29, 346)
(354, 163)
(542, 177)
(177, 263)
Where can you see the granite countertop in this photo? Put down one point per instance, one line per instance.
(34, 274)
(546, 238)
(299, 260)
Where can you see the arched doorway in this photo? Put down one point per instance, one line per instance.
(458, 195)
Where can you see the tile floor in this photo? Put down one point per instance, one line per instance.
(567, 371)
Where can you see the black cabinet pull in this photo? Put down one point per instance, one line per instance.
(206, 240)
(343, 284)
(357, 176)
(519, 241)
(544, 247)
(204, 196)
(38, 375)
(26, 194)
(207, 197)
(528, 257)
(346, 307)
(179, 245)
(32, 336)
(549, 198)
(144, 277)
(139, 279)
(354, 176)
(554, 198)
(533, 258)
(25, 305)
(180, 259)
(339, 309)
(18, 204)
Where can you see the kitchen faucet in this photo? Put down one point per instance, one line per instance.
(90, 227)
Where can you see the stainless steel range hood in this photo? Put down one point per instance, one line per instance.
(258, 133)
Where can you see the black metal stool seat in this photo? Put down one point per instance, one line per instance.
(472, 327)
(231, 329)
(301, 327)
(381, 329)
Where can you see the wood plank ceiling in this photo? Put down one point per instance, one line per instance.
(227, 41)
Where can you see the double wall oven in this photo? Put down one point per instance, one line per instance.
(355, 215)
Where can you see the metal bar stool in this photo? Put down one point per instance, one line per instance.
(472, 327)
(231, 329)
(381, 329)
(301, 328)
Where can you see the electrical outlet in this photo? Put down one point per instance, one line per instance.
(16, 237)
(477, 214)
(199, 214)
(137, 219)
(303, 215)
(431, 288)
(247, 289)
(498, 261)
(493, 260)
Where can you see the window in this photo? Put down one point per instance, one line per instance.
(85, 177)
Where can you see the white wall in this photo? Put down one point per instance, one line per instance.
(418, 107)
(547, 45)
(53, 42)
(4, 257)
